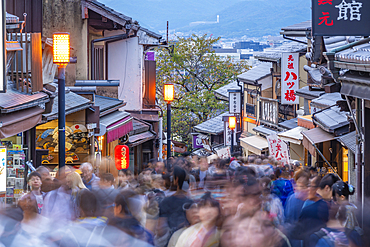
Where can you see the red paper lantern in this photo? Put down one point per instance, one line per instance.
(121, 157)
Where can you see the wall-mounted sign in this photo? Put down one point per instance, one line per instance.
(227, 135)
(224, 153)
(340, 17)
(234, 102)
(289, 78)
(269, 110)
(121, 157)
(2, 48)
(3, 169)
(197, 141)
(278, 148)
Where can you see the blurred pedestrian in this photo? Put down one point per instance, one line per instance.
(89, 178)
(106, 194)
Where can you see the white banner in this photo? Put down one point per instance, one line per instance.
(223, 153)
(289, 78)
(278, 148)
(227, 135)
(234, 103)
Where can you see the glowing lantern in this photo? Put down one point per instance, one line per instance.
(232, 123)
(121, 157)
(169, 92)
(61, 48)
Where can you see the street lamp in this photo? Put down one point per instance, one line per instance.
(232, 124)
(169, 92)
(61, 49)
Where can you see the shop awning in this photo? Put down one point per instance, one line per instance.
(315, 136)
(19, 121)
(254, 144)
(116, 125)
(293, 135)
(348, 140)
(138, 139)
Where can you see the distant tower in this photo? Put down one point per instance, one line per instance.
(218, 19)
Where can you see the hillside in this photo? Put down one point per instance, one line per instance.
(253, 18)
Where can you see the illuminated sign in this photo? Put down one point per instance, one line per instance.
(2, 169)
(121, 157)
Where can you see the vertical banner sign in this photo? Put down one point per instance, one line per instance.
(340, 17)
(289, 78)
(234, 102)
(227, 135)
(2, 169)
(2, 48)
(278, 148)
(224, 153)
(121, 157)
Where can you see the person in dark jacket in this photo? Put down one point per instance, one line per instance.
(106, 194)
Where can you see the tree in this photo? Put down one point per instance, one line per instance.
(196, 71)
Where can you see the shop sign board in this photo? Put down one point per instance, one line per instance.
(234, 102)
(289, 78)
(197, 141)
(340, 17)
(224, 153)
(278, 148)
(2, 48)
(3, 169)
(227, 135)
(121, 157)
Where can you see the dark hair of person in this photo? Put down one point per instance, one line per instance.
(180, 174)
(277, 173)
(317, 181)
(301, 173)
(208, 200)
(328, 180)
(122, 200)
(343, 189)
(125, 171)
(108, 177)
(88, 203)
(33, 174)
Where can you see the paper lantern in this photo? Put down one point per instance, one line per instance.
(121, 157)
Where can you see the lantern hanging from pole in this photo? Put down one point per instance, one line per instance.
(232, 123)
(121, 157)
(61, 48)
(169, 92)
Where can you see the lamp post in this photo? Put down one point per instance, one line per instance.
(169, 92)
(232, 124)
(61, 49)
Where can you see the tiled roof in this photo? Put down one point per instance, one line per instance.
(307, 94)
(303, 26)
(256, 73)
(274, 54)
(326, 100)
(13, 99)
(222, 91)
(214, 126)
(74, 103)
(138, 127)
(331, 119)
(289, 124)
(106, 103)
(356, 54)
(348, 140)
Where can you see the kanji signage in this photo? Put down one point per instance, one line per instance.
(224, 153)
(234, 102)
(289, 78)
(121, 157)
(278, 149)
(227, 135)
(2, 48)
(340, 17)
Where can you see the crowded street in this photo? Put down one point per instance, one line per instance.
(196, 123)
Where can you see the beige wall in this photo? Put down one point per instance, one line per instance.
(302, 76)
(297, 152)
(66, 16)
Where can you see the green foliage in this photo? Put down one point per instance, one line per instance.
(196, 72)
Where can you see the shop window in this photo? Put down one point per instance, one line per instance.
(99, 62)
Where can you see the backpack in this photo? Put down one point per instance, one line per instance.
(333, 239)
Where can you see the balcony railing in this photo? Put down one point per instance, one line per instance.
(25, 67)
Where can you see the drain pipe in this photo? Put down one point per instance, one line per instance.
(110, 39)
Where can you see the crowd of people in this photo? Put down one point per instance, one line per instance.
(187, 202)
